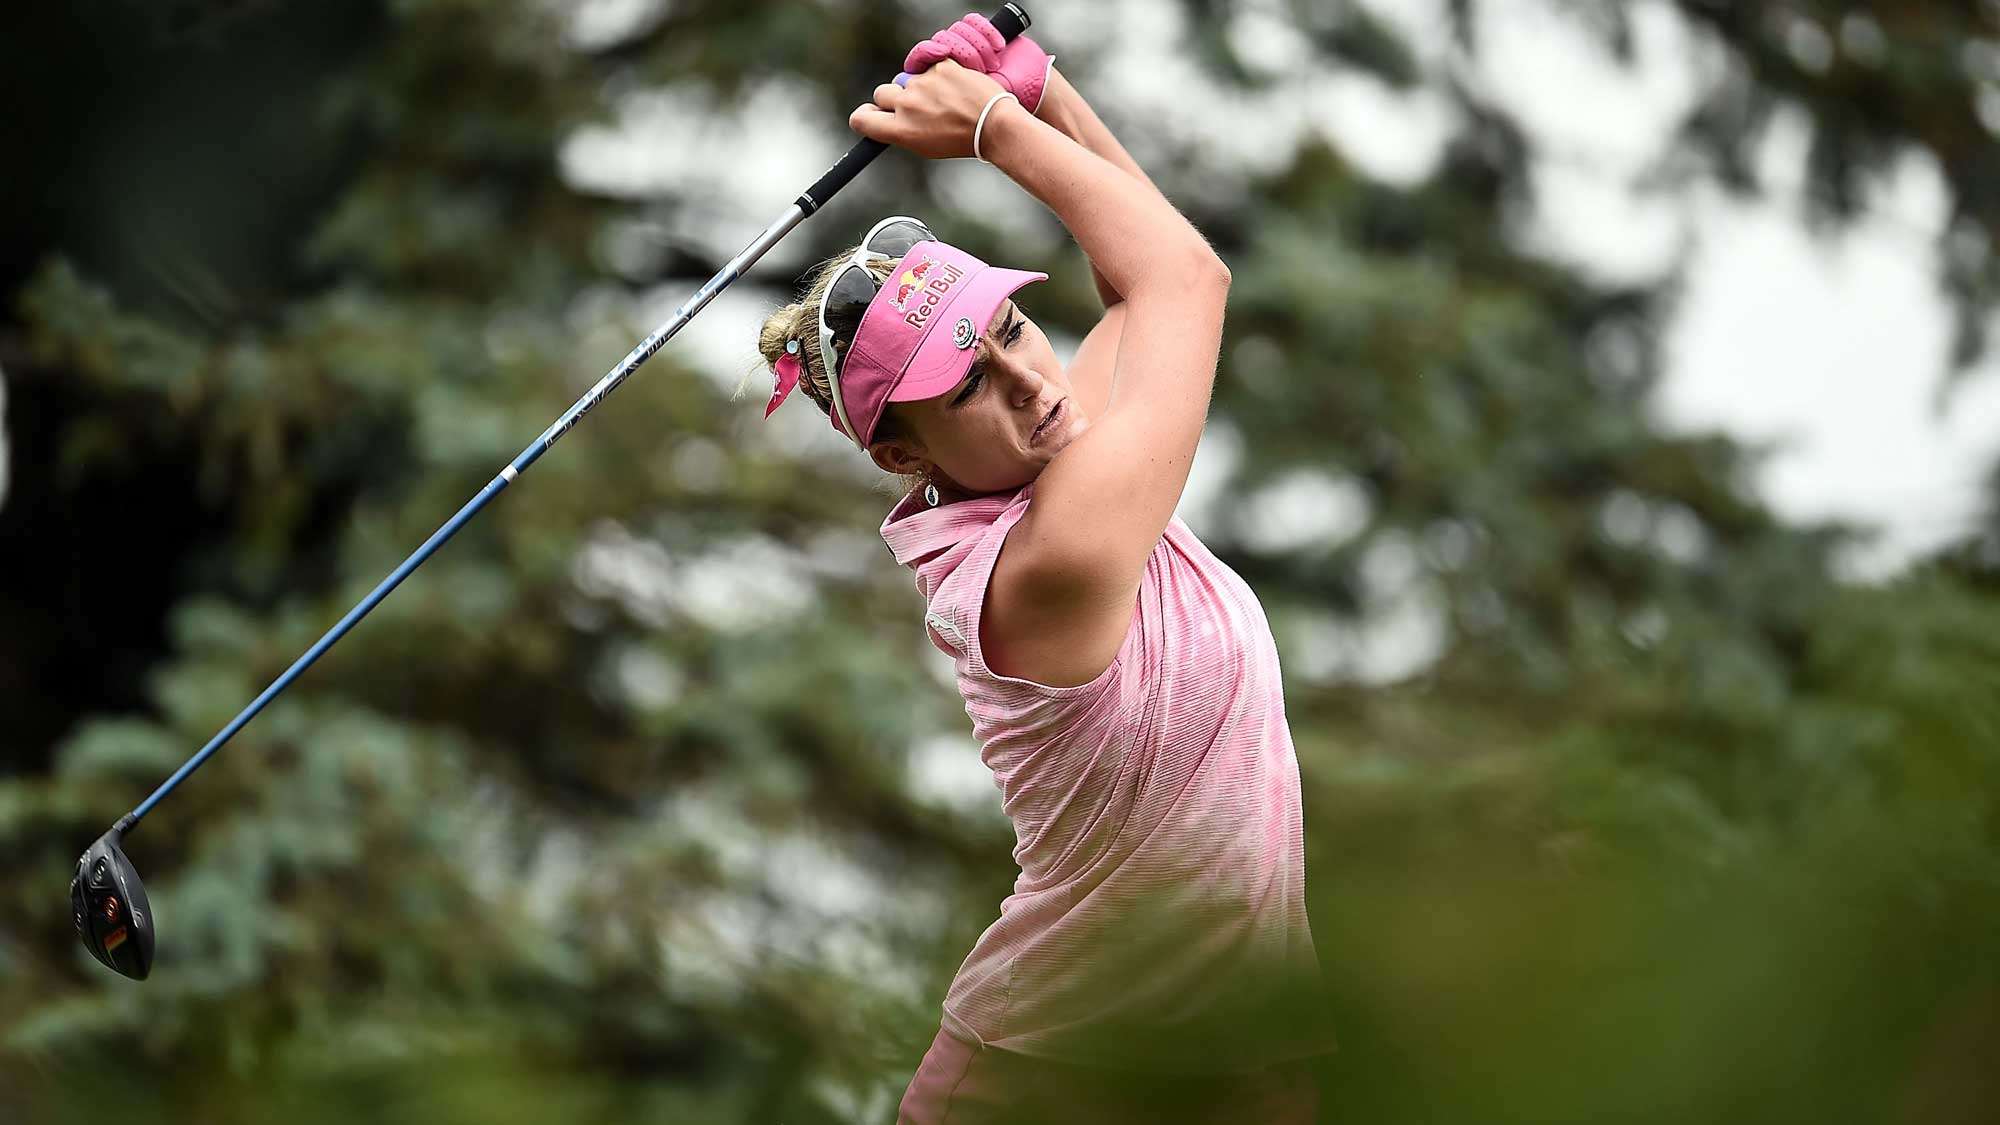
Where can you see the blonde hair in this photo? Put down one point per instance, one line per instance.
(800, 321)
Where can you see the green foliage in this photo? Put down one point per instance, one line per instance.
(611, 811)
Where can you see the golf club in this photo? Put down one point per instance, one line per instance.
(107, 899)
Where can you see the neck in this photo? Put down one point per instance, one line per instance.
(950, 492)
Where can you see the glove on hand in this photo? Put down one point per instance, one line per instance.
(1021, 67)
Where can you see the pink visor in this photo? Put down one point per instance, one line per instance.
(920, 333)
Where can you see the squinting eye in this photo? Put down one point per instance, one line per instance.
(969, 388)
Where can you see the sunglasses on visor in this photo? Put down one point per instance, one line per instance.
(842, 305)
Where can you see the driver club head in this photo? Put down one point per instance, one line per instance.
(108, 904)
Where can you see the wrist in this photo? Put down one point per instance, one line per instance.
(1058, 102)
(1007, 120)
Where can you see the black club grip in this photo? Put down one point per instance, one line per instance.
(1009, 21)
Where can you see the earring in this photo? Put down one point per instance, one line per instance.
(930, 494)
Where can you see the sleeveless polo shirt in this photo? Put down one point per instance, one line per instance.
(1158, 921)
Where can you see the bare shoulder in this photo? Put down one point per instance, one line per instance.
(1039, 623)
(1035, 625)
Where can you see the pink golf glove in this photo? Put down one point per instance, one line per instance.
(1021, 67)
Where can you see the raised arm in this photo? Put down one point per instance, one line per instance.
(1103, 502)
(1023, 68)
(1065, 108)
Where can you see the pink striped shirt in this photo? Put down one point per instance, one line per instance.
(1159, 918)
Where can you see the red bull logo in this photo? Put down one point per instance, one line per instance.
(927, 292)
(910, 280)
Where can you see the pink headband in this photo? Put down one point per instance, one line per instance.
(918, 337)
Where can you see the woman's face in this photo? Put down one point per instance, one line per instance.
(981, 433)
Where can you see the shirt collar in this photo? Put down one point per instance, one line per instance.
(914, 530)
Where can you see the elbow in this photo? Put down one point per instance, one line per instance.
(1206, 267)
(1219, 270)
(1195, 271)
(1203, 271)
(1211, 278)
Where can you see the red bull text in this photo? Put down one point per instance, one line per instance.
(933, 287)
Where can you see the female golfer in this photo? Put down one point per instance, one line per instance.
(1154, 962)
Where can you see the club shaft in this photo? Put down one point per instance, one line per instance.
(1010, 20)
(632, 361)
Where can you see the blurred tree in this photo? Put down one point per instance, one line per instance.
(612, 811)
(1875, 80)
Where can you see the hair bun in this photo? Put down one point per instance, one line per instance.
(780, 333)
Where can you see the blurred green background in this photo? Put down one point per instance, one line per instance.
(647, 800)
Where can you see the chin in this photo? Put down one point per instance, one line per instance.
(1062, 441)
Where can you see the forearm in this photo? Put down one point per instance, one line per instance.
(1133, 236)
(1065, 109)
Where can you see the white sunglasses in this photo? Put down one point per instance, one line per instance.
(848, 298)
